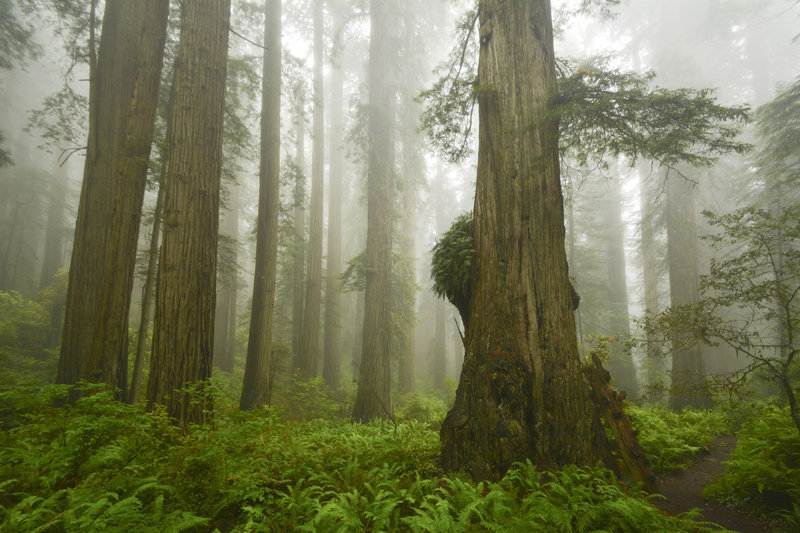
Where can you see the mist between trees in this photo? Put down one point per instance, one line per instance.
(287, 197)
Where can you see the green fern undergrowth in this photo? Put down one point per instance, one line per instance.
(105, 466)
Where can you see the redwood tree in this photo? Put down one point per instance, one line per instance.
(332, 362)
(123, 94)
(688, 367)
(256, 390)
(307, 354)
(521, 394)
(186, 288)
(374, 377)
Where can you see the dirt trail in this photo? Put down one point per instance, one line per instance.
(684, 491)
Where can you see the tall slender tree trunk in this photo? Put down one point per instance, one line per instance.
(331, 370)
(183, 336)
(571, 261)
(257, 386)
(148, 293)
(373, 398)
(308, 356)
(649, 260)
(688, 368)
(618, 321)
(123, 97)
(439, 355)
(225, 314)
(358, 336)
(413, 170)
(299, 221)
(53, 257)
(522, 394)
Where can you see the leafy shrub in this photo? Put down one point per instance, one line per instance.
(763, 473)
(670, 440)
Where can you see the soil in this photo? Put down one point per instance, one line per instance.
(684, 491)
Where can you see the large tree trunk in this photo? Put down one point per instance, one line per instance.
(257, 386)
(123, 95)
(617, 318)
(225, 313)
(308, 355)
(688, 368)
(374, 381)
(186, 290)
(522, 394)
(331, 369)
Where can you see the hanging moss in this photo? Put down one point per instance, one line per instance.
(451, 264)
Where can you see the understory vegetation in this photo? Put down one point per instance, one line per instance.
(103, 465)
(301, 465)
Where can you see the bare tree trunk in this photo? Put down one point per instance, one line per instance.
(257, 386)
(308, 355)
(373, 398)
(123, 97)
(331, 370)
(688, 368)
(183, 336)
(522, 394)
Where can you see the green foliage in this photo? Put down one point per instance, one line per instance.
(671, 440)
(604, 113)
(448, 114)
(451, 262)
(763, 473)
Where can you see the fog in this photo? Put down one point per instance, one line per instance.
(742, 50)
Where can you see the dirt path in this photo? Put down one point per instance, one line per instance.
(684, 491)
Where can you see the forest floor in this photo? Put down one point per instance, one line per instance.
(684, 491)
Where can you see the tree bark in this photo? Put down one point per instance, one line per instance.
(257, 386)
(186, 290)
(688, 368)
(331, 370)
(373, 398)
(522, 394)
(123, 96)
(308, 355)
